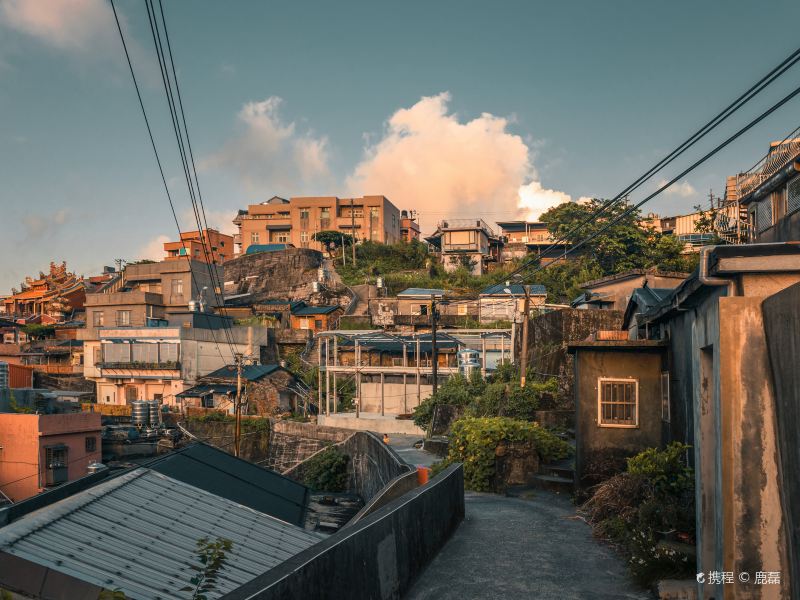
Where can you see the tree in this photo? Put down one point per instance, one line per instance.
(39, 332)
(212, 557)
(333, 240)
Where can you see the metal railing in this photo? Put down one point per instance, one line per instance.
(777, 158)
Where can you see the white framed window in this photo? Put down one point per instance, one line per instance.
(254, 237)
(665, 412)
(617, 402)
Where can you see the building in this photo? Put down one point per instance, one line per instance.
(137, 531)
(505, 301)
(295, 221)
(522, 238)
(614, 291)
(770, 194)
(729, 390)
(468, 243)
(409, 228)
(619, 391)
(411, 309)
(218, 246)
(39, 452)
(157, 363)
(315, 318)
(48, 298)
(268, 388)
(145, 294)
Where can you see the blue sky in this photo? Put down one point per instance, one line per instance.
(445, 107)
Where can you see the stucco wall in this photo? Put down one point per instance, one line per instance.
(643, 366)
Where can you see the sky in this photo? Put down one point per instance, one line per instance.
(496, 110)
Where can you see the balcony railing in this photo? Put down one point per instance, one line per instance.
(152, 366)
(777, 158)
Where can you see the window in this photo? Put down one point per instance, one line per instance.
(91, 444)
(325, 213)
(304, 236)
(318, 324)
(254, 237)
(56, 460)
(131, 393)
(793, 196)
(123, 318)
(177, 287)
(98, 318)
(665, 414)
(618, 402)
(98, 356)
(304, 213)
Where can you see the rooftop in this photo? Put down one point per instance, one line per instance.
(516, 289)
(631, 274)
(421, 293)
(315, 310)
(249, 372)
(256, 248)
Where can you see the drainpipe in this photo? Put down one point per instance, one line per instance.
(706, 279)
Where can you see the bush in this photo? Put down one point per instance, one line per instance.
(456, 391)
(473, 442)
(326, 471)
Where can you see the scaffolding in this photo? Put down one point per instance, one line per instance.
(400, 361)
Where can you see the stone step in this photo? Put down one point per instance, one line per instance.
(565, 471)
(554, 483)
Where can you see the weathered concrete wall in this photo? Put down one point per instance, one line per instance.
(254, 445)
(391, 491)
(782, 325)
(266, 275)
(397, 398)
(642, 365)
(549, 334)
(378, 558)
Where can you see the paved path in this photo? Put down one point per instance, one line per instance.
(404, 446)
(524, 548)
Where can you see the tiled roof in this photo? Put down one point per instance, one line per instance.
(249, 372)
(138, 533)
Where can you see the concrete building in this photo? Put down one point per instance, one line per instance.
(159, 362)
(411, 309)
(731, 393)
(409, 228)
(614, 292)
(521, 238)
(505, 301)
(469, 243)
(39, 452)
(295, 221)
(218, 246)
(315, 318)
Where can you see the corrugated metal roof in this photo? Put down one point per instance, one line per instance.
(426, 292)
(516, 289)
(249, 372)
(138, 532)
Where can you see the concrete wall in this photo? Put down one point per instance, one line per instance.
(378, 558)
(397, 399)
(641, 365)
(782, 325)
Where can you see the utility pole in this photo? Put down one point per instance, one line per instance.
(238, 406)
(434, 352)
(523, 367)
(344, 253)
(353, 230)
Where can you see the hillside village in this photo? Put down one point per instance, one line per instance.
(451, 381)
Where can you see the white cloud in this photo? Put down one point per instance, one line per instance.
(429, 160)
(684, 189)
(221, 220)
(270, 155)
(65, 24)
(38, 226)
(154, 249)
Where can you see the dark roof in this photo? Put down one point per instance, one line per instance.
(516, 289)
(256, 248)
(591, 298)
(198, 391)
(427, 292)
(395, 346)
(222, 474)
(521, 225)
(249, 372)
(618, 345)
(315, 310)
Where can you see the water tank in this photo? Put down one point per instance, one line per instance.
(315, 287)
(468, 361)
(379, 282)
(95, 467)
(193, 304)
(140, 413)
(3, 375)
(155, 412)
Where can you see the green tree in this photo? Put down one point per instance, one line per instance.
(333, 240)
(39, 332)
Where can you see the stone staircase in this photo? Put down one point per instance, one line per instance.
(557, 476)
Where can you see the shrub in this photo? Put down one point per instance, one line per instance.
(503, 399)
(457, 391)
(473, 442)
(326, 471)
(665, 469)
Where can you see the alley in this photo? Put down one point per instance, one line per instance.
(524, 548)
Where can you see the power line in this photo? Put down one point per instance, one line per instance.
(740, 101)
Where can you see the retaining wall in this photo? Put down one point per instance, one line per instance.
(380, 557)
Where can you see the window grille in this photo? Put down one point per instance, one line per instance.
(764, 215)
(793, 195)
(618, 403)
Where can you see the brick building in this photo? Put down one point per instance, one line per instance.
(218, 246)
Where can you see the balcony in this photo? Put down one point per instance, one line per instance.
(171, 365)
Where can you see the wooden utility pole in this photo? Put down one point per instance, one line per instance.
(434, 353)
(238, 406)
(353, 231)
(523, 367)
(344, 253)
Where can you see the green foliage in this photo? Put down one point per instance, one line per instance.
(115, 594)
(39, 332)
(251, 424)
(456, 391)
(326, 471)
(212, 556)
(510, 400)
(333, 240)
(16, 408)
(473, 442)
(637, 508)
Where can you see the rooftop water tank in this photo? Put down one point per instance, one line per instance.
(140, 413)
(155, 412)
(95, 467)
(468, 361)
